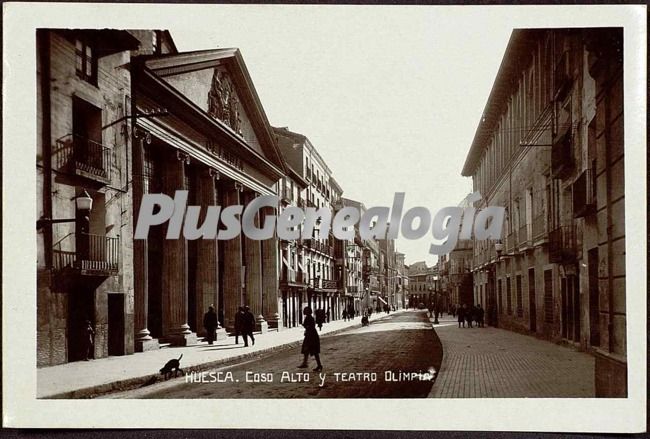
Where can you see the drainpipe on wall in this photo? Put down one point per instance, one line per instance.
(43, 41)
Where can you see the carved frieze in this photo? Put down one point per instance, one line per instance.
(222, 101)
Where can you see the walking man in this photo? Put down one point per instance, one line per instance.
(461, 316)
(480, 313)
(239, 324)
(210, 324)
(248, 326)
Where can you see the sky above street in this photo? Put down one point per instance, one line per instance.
(390, 96)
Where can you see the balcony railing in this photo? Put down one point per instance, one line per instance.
(584, 194)
(95, 255)
(522, 239)
(539, 228)
(292, 276)
(84, 157)
(563, 244)
(562, 161)
(319, 246)
(511, 242)
(286, 194)
(562, 76)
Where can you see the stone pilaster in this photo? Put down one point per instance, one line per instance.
(207, 266)
(174, 261)
(232, 264)
(270, 276)
(253, 263)
(143, 340)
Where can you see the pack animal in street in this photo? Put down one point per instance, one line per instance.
(173, 365)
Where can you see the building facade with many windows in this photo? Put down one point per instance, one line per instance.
(549, 149)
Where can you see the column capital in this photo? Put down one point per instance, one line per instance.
(214, 174)
(183, 157)
(142, 134)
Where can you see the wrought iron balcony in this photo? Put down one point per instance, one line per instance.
(286, 195)
(523, 241)
(539, 229)
(511, 242)
(95, 255)
(563, 244)
(584, 194)
(562, 76)
(84, 157)
(562, 161)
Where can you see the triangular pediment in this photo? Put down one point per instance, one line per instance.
(217, 82)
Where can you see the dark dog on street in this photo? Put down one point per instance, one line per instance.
(173, 365)
(364, 321)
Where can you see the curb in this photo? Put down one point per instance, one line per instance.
(132, 383)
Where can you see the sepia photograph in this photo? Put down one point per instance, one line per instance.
(343, 203)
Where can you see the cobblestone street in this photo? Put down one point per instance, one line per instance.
(398, 343)
(495, 363)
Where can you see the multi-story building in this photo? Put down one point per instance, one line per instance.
(549, 149)
(355, 280)
(402, 284)
(388, 273)
(123, 114)
(293, 275)
(319, 252)
(84, 194)
(456, 277)
(420, 284)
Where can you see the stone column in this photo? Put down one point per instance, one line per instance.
(253, 263)
(174, 261)
(232, 264)
(143, 340)
(207, 257)
(270, 277)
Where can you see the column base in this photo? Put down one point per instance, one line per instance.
(274, 321)
(147, 345)
(181, 339)
(261, 325)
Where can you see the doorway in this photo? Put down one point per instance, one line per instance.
(532, 300)
(594, 305)
(81, 307)
(115, 324)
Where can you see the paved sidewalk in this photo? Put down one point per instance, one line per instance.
(495, 363)
(90, 378)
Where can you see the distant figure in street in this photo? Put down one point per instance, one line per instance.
(210, 324)
(320, 318)
(89, 338)
(352, 313)
(461, 316)
(430, 309)
(345, 315)
(469, 315)
(248, 320)
(311, 343)
(239, 324)
(480, 313)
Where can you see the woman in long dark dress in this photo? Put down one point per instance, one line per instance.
(311, 343)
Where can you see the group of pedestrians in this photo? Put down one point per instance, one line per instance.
(469, 314)
(244, 325)
(349, 313)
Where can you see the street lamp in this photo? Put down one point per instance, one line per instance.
(84, 204)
